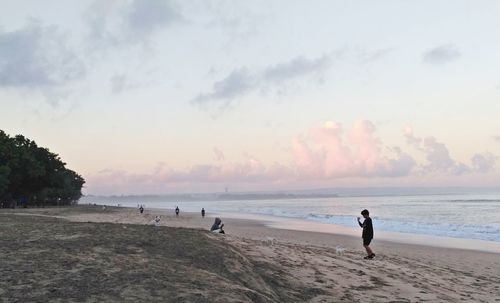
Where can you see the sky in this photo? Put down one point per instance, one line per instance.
(197, 96)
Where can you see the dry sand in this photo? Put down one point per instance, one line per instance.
(307, 263)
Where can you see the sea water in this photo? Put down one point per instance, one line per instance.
(466, 215)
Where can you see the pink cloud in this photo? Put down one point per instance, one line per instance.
(439, 159)
(319, 155)
(328, 152)
(163, 179)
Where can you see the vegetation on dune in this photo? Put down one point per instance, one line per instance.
(53, 260)
(33, 176)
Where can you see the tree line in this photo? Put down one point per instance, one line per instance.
(33, 176)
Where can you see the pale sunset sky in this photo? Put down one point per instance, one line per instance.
(194, 96)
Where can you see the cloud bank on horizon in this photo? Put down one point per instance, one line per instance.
(161, 96)
(325, 153)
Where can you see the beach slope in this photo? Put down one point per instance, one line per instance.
(53, 260)
(88, 254)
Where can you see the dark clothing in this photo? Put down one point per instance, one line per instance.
(217, 224)
(366, 242)
(367, 228)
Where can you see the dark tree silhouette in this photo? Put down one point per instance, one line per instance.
(32, 175)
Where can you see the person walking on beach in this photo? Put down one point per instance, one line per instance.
(367, 234)
(203, 212)
(177, 211)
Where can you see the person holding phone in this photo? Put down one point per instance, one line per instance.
(367, 234)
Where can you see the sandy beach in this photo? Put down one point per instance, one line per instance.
(278, 265)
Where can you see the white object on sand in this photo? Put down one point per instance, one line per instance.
(156, 221)
(339, 250)
(270, 241)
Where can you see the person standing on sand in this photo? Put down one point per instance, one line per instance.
(141, 209)
(367, 233)
(203, 212)
(177, 211)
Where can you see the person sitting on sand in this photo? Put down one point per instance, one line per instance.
(367, 234)
(203, 212)
(217, 226)
(177, 211)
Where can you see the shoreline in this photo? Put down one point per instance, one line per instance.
(265, 229)
(453, 237)
(400, 272)
(305, 226)
(433, 221)
(302, 225)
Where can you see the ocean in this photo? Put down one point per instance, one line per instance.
(465, 214)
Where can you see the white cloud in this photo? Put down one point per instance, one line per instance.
(37, 57)
(296, 68)
(410, 137)
(439, 159)
(146, 16)
(483, 163)
(119, 83)
(237, 83)
(242, 81)
(441, 55)
(366, 56)
(239, 20)
(122, 23)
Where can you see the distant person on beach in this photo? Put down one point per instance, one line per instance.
(217, 227)
(177, 211)
(367, 233)
(203, 212)
(141, 209)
